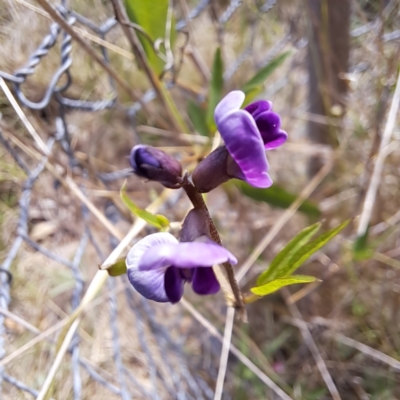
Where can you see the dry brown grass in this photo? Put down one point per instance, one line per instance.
(357, 299)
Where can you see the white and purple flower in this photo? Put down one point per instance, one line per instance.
(158, 266)
(247, 134)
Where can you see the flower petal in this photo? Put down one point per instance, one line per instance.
(204, 281)
(258, 107)
(244, 143)
(231, 102)
(269, 123)
(185, 255)
(150, 283)
(173, 284)
(279, 140)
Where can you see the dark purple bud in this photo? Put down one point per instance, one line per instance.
(155, 165)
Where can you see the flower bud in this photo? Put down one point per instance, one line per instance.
(155, 165)
(211, 171)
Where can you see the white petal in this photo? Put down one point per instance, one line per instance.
(231, 102)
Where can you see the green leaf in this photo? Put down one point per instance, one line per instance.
(278, 197)
(259, 78)
(361, 248)
(116, 269)
(365, 247)
(279, 283)
(157, 220)
(279, 263)
(251, 95)
(152, 17)
(309, 249)
(198, 117)
(215, 90)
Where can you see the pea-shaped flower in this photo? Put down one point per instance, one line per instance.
(247, 134)
(158, 266)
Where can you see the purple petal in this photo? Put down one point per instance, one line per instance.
(185, 255)
(139, 155)
(173, 284)
(279, 140)
(204, 281)
(258, 107)
(231, 102)
(149, 284)
(244, 143)
(269, 124)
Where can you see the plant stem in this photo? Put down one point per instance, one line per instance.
(198, 202)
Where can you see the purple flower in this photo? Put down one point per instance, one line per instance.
(158, 266)
(247, 133)
(155, 165)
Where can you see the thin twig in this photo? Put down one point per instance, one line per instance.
(223, 363)
(38, 140)
(235, 351)
(380, 159)
(309, 340)
(367, 350)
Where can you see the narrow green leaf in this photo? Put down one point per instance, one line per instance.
(251, 95)
(309, 249)
(279, 263)
(361, 248)
(198, 117)
(215, 90)
(259, 78)
(152, 17)
(279, 283)
(116, 269)
(157, 220)
(278, 197)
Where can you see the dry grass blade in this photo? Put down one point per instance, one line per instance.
(367, 350)
(71, 185)
(93, 209)
(95, 286)
(33, 342)
(20, 321)
(249, 364)
(380, 159)
(223, 363)
(309, 340)
(38, 140)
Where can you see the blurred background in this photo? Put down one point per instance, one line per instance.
(83, 81)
